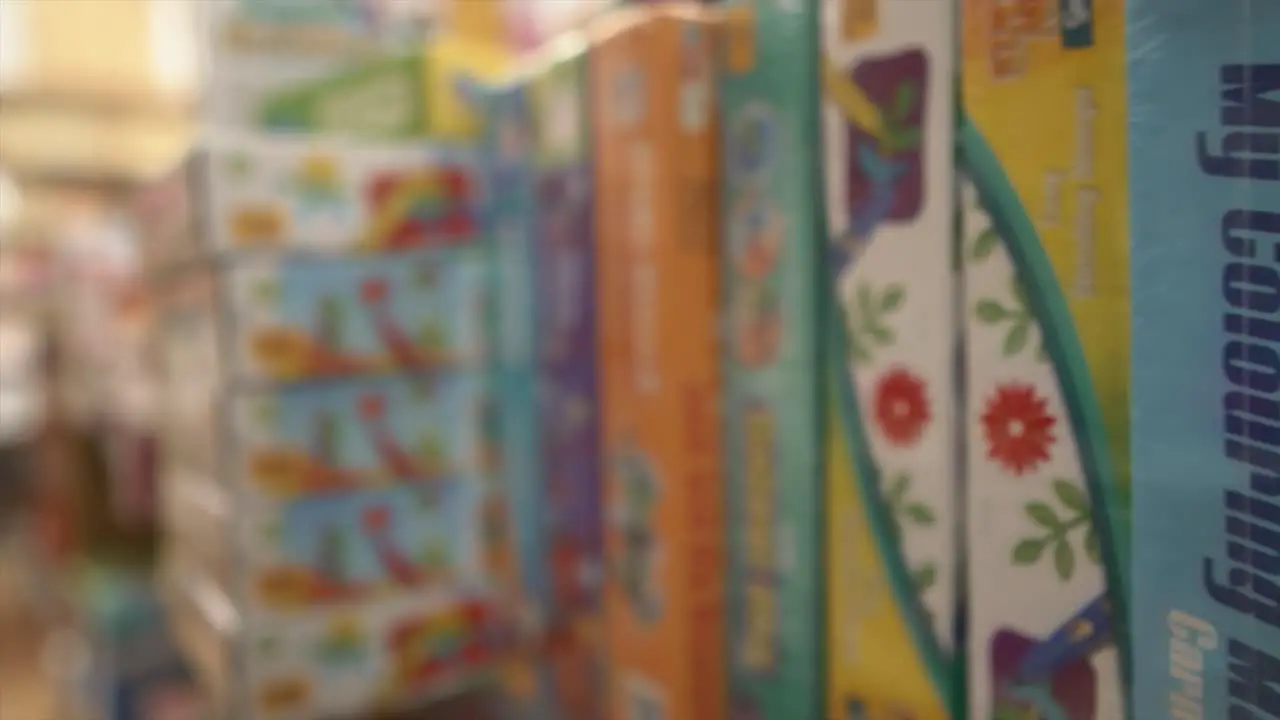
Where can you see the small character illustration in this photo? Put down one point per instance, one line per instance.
(375, 296)
(398, 567)
(757, 226)
(882, 173)
(1051, 679)
(325, 434)
(319, 187)
(883, 104)
(511, 116)
(399, 463)
(333, 553)
(756, 324)
(758, 232)
(432, 207)
(331, 325)
(424, 649)
(343, 643)
(633, 566)
(754, 143)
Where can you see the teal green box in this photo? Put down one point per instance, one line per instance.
(772, 248)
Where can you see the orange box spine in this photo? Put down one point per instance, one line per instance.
(659, 300)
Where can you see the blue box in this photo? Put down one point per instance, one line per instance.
(1205, 167)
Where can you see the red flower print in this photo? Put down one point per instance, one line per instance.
(376, 518)
(1019, 428)
(902, 410)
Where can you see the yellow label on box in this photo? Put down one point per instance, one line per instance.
(450, 59)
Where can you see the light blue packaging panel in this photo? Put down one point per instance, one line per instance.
(1205, 171)
(360, 434)
(301, 318)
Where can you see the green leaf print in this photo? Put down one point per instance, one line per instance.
(921, 514)
(897, 490)
(1013, 314)
(869, 317)
(1071, 496)
(906, 513)
(990, 311)
(1019, 294)
(984, 244)
(925, 577)
(858, 352)
(892, 298)
(904, 101)
(1028, 552)
(904, 140)
(1043, 515)
(882, 335)
(867, 305)
(1064, 560)
(1016, 339)
(1055, 522)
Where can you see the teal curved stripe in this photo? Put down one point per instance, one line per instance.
(866, 482)
(1063, 347)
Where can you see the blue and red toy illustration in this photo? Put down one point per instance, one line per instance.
(883, 104)
(1053, 678)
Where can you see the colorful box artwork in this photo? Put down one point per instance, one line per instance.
(652, 90)
(286, 193)
(771, 247)
(891, 341)
(1045, 238)
(308, 317)
(359, 434)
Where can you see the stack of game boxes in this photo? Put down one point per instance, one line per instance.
(334, 538)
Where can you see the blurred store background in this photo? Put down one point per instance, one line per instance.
(99, 99)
